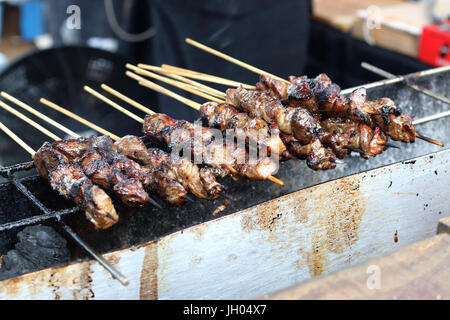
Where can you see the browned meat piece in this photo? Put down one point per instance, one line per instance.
(395, 123)
(277, 88)
(71, 183)
(151, 177)
(129, 190)
(317, 156)
(200, 141)
(224, 116)
(73, 149)
(297, 122)
(357, 136)
(46, 159)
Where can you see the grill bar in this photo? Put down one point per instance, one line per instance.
(36, 219)
(398, 79)
(388, 75)
(49, 214)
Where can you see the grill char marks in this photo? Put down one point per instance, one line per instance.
(296, 122)
(150, 177)
(129, 190)
(321, 97)
(225, 117)
(347, 133)
(71, 183)
(69, 180)
(200, 141)
(397, 124)
(201, 182)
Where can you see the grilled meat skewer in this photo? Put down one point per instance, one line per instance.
(152, 178)
(346, 135)
(297, 122)
(200, 181)
(227, 158)
(224, 116)
(129, 190)
(321, 97)
(71, 183)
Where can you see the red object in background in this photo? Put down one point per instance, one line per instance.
(434, 47)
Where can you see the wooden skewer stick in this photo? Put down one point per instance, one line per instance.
(205, 77)
(201, 86)
(126, 99)
(146, 83)
(19, 141)
(231, 59)
(429, 140)
(157, 88)
(163, 90)
(78, 118)
(29, 121)
(199, 76)
(39, 114)
(276, 180)
(175, 83)
(113, 104)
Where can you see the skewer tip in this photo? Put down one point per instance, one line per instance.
(429, 140)
(276, 180)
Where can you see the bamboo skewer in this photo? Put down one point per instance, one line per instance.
(112, 270)
(178, 84)
(444, 114)
(206, 77)
(126, 99)
(144, 82)
(157, 88)
(19, 141)
(231, 59)
(429, 140)
(29, 121)
(113, 104)
(154, 86)
(78, 118)
(148, 83)
(38, 114)
(201, 86)
(198, 76)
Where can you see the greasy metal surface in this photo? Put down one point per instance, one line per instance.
(139, 226)
(419, 271)
(274, 245)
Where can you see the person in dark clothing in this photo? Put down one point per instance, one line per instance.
(271, 35)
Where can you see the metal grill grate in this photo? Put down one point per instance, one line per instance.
(8, 172)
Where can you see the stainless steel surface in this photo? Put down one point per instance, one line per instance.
(389, 75)
(399, 79)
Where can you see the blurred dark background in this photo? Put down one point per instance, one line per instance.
(42, 57)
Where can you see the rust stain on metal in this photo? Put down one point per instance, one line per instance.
(149, 275)
(77, 278)
(317, 259)
(231, 257)
(196, 259)
(247, 223)
(11, 287)
(199, 230)
(337, 217)
(266, 217)
(113, 259)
